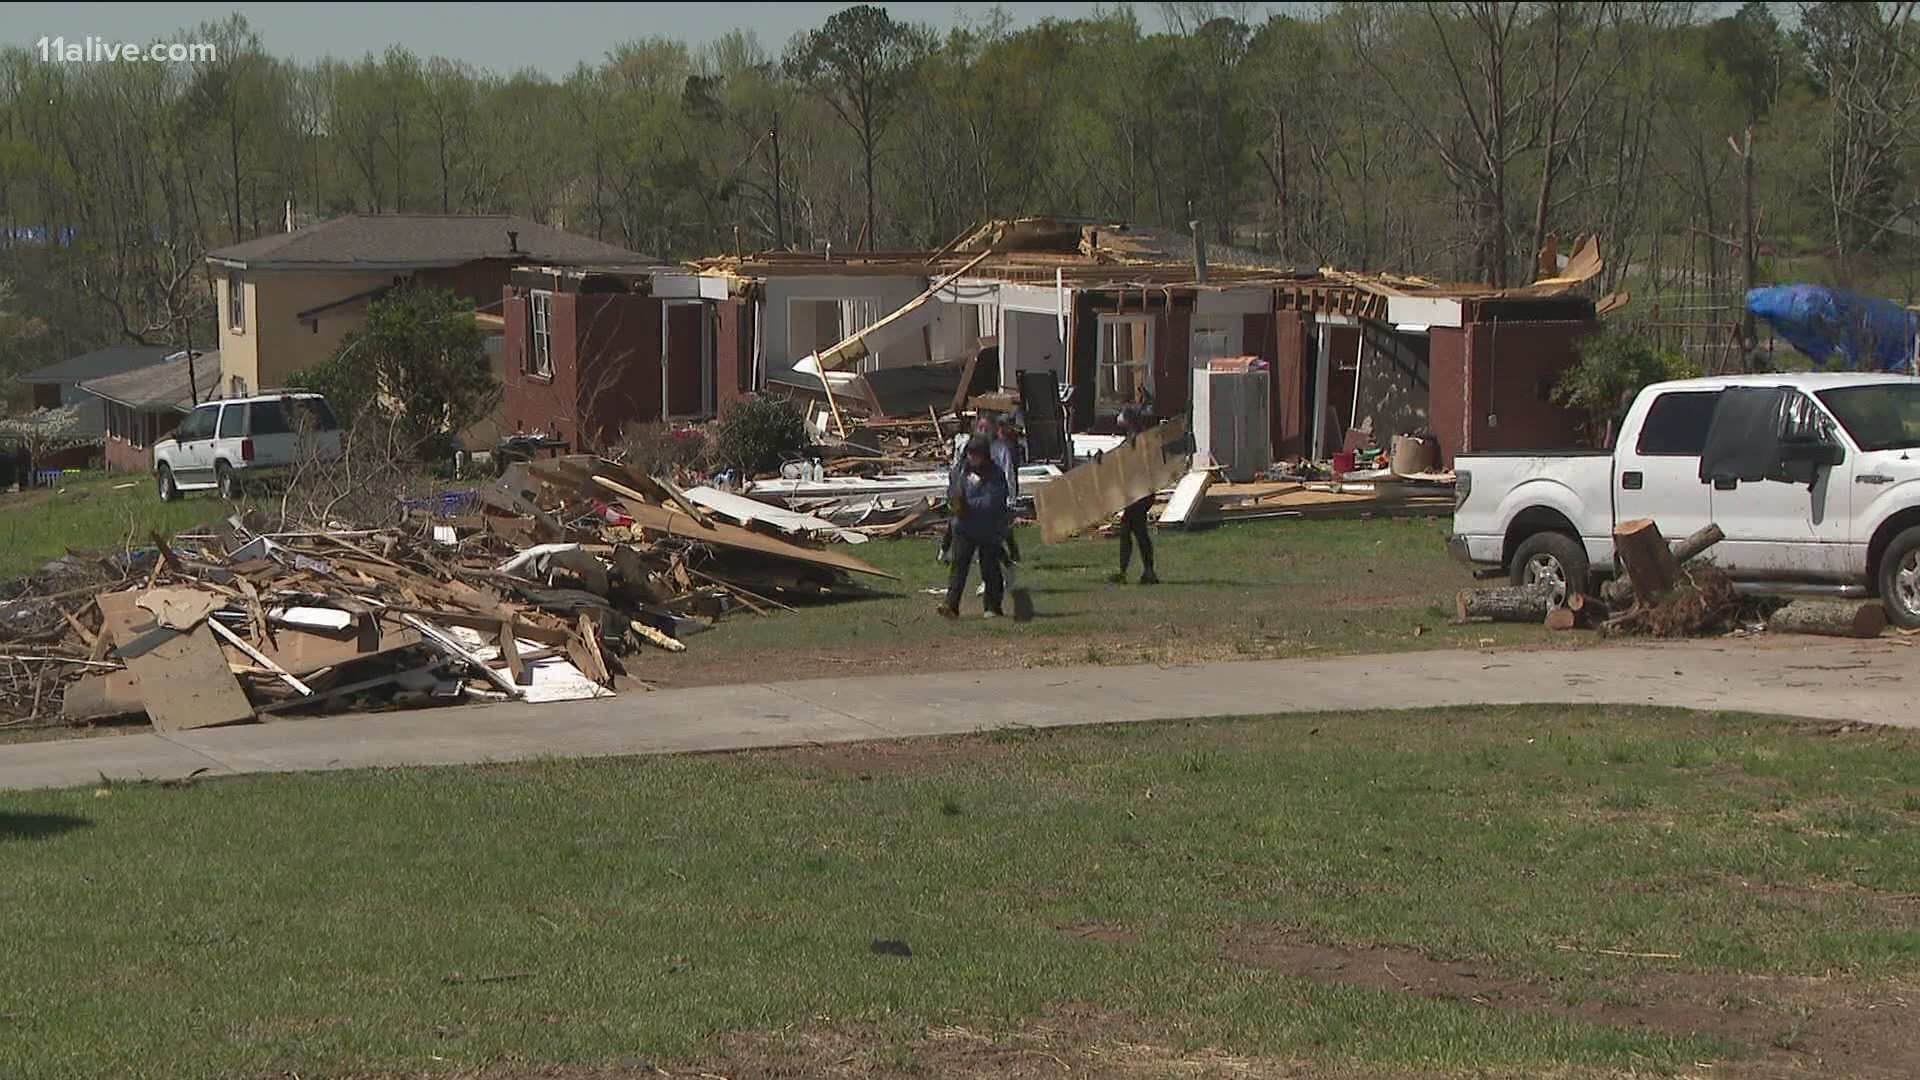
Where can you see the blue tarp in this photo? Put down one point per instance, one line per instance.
(1868, 333)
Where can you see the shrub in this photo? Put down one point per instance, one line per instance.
(760, 433)
(1614, 365)
(419, 361)
(662, 449)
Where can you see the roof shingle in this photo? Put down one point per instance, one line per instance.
(161, 386)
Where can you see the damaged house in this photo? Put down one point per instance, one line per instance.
(1115, 316)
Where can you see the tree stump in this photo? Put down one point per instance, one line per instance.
(1523, 603)
(1563, 619)
(1645, 557)
(1829, 619)
(1620, 590)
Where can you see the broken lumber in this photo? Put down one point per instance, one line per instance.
(1512, 603)
(1830, 619)
(655, 637)
(1646, 559)
(260, 658)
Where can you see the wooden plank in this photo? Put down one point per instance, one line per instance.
(488, 624)
(654, 637)
(279, 672)
(510, 651)
(1095, 491)
(183, 681)
(584, 651)
(659, 519)
(79, 627)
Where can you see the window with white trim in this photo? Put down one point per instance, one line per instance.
(540, 334)
(1126, 360)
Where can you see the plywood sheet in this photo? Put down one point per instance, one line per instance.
(184, 681)
(1099, 489)
(97, 697)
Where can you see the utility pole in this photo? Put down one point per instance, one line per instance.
(779, 193)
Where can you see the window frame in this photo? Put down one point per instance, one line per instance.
(236, 302)
(1104, 396)
(539, 359)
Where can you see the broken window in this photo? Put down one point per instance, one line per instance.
(1126, 360)
(540, 334)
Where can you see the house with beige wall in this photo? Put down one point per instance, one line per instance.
(286, 300)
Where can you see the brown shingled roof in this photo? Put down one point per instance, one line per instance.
(160, 386)
(412, 241)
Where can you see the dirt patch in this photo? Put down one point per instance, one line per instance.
(1826, 1026)
(1116, 935)
(866, 759)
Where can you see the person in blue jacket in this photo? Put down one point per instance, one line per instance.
(979, 500)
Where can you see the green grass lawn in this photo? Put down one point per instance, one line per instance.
(92, 513)
(1241, 591)
(1100, 884)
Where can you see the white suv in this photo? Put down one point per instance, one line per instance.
(224, 445)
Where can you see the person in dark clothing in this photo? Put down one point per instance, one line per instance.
(1133, 520)
(1006, 454)
(979, 500)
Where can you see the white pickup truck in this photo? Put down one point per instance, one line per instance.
(1814, 478)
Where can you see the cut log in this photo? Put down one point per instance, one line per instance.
(1684, 550)
(1564, 618)
(1575, 603)
(1830, 619)
(1524, 603)
(1644, 556)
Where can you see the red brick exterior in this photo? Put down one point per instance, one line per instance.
(1505, 404)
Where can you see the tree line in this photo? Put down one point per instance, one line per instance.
(1706, 146)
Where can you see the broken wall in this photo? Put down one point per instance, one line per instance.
(1392, 386)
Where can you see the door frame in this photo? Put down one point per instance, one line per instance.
(709, 399)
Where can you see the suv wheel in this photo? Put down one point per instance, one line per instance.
(1551, 558)
(164, 480)
(1900, 579)
(229, 484)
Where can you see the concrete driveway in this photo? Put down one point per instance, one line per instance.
(1865, 681)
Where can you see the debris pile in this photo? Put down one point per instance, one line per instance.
(551, 588)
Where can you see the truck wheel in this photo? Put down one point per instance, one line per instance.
(229, 484)
(1551, 558)
(164, 480)
(1900, 579)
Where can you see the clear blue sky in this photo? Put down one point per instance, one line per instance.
(500, 37)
